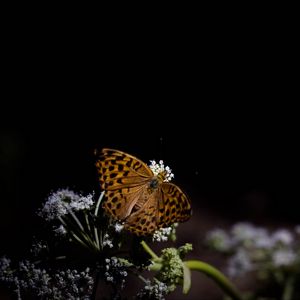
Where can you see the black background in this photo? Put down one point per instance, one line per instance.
(215, 96)
(226, 123)
(220, 110)
(236, 163)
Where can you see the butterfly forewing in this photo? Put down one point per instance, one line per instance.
(123, 177)
(119, 170)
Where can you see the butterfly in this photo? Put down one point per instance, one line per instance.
(138, 197)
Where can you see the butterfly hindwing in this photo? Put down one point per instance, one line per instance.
(145, 220)
(119, 203)
(174, 206)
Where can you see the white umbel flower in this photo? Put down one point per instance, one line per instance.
(162, 234)
(158, 168)
(284, 257)
(118, 227)
(62, 202)
(283, 236)
(107, 241)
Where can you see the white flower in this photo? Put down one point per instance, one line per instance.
(63, 201)
(41, 284)
(239, 264)
(264, 241)
(244, 231)
(160, 168)
(119, 227)
(282, 236)
(61, 230)
(115, 271)
(107, 241)
(162, 234)
(4, 263)
(156, 290)
(55, 205)
(219, 239)
(84, 202)
(37, 247)
(6, 275)
(284, 257)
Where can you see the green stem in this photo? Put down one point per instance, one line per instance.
(216, 275)
(156, 267)
(98, 203)
(79, 240)
(76, 220)
(142, 278)
(96, 238)
(288, 289)
(97, 233)
(149, 251)
(96, 241)
(87, 221)
(60, 257)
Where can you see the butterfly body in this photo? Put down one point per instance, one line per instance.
(154, 183)
(144, 201)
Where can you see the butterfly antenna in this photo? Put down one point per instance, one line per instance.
(161, 152)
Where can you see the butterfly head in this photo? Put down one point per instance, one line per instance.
(157, 180)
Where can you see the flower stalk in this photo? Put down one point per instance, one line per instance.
(216, 275)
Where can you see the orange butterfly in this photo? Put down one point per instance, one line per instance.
(139, 195)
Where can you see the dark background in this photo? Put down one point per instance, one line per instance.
(217, 105)
(233, 166)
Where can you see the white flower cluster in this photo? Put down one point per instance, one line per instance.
(118, 227)
(158, 168)
(69, 284)
(162, 234)
(62, 202)
(246, 234)
(5, 274)
(157, 290)
(107, 241)
(284, 257)
(256, 248)
(115, 271)
(218, 239)
(38, 247)
(61, 230)
(239, 263)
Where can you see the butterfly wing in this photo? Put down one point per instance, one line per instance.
(118, 169)
(124, 178)
(163, 207)
(145, 220)
(173, 206)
